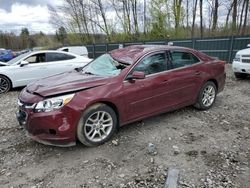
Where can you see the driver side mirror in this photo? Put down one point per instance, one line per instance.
(23, 63)
(136, 75)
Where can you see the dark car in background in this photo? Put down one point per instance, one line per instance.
(117, 88)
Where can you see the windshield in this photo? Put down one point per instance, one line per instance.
(16, 59)
(104, 65)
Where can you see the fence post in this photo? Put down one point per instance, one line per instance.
(193, 43)
(106, 46)
(231, 49)
(93, 51)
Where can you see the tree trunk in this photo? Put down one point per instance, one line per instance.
(127, 14)
(215, 16)
(135, 13)
(241, 16)
(187, 13)
(245, 19)
(201, 19)
(228, 14)
(194, 16)
(234, 16)
(144, 17)
(100, 6)
(177, 13)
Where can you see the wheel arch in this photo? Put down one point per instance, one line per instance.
(114, 107)
(214, 81)
(111, 105)
(11, 84)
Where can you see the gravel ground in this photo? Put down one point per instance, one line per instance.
(210, 149)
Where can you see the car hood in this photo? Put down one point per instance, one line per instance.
(244, 52)
(3, 64)
(65, 83)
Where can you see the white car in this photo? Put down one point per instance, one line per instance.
(78, 50)
(241, 63)
(32, 66)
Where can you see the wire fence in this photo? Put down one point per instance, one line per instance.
(224, 48)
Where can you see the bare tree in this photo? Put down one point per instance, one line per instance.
(201, 18)
(245, 19)
(228, 14)
(135, 14)
(215, 15)
(177, 12)
(187, 13)
(234, 16)
(194, 16)
(101, 11)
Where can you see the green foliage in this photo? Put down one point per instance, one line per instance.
(24, 32)
(61, 35)
(158, 23)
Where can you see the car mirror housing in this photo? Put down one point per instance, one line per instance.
(136, 75)
(23, 63)
(248, 46)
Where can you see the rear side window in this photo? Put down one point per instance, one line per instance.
(58, 57)
(181, 59)
(66, 50)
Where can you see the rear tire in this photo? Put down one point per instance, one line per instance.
(97, 125)
(207, 96)
(5, 84)
(240, 75)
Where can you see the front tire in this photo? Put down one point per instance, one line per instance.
(97, 125)
(207, 96)
(5, 84)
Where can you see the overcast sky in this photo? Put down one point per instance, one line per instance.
(33, 14)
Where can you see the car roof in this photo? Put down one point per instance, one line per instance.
(131, 53)
(56, 51)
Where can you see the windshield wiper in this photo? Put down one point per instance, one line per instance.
(90, 73)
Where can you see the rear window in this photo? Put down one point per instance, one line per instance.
(66, 50)
(58, 57)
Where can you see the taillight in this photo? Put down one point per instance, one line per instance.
(222, 62)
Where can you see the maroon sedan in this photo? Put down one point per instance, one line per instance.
(117, 88)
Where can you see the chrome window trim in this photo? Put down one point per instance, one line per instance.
(166, 51)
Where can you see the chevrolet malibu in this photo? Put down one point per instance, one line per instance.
(117, 88)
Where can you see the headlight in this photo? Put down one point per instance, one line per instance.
(237, 57)
(53, 103)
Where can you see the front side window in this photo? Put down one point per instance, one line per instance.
(152, 64)
(181, 59)
(37, 58)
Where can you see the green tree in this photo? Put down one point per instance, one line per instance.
(61, 35)
(24, 38)
(159, 12)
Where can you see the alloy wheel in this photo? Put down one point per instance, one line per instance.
(98, 126)
(208, 96)
(4, 85)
